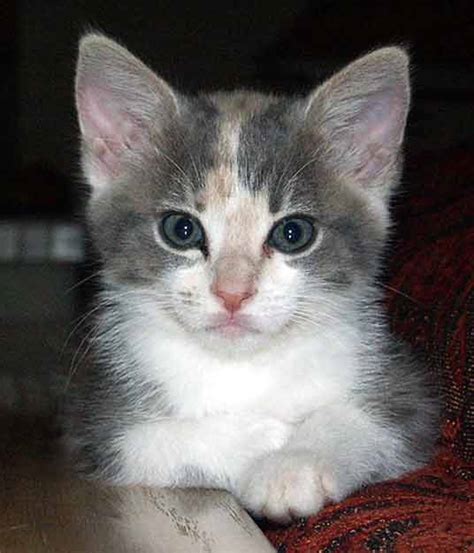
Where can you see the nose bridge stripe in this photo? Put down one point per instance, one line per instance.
(235, 274)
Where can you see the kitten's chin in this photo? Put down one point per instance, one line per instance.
(233, 340)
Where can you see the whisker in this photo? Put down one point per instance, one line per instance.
(81, 282)
(175, 165)
(399, 292)
(74, 365)
(302, 168)
(81, 321)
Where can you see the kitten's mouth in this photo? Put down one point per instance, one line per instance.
(232, 327)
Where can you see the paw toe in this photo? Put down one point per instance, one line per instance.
(283, 487)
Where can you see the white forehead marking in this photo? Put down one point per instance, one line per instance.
(239, 224)
(236, 219)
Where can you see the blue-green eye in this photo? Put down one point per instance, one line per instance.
(182, 231)
(292, 235)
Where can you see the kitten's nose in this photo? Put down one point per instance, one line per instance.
(234, 280)
(233, 300)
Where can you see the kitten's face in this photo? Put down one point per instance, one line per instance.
(239, 288)
(230, 216)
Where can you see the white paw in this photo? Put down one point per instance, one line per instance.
(286, 485)
(263, 436)
(267, 435)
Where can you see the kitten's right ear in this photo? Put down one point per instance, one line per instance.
(361, 114)
(120, 104)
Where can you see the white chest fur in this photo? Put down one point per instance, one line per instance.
(289, 379)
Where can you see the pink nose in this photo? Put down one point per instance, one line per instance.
(233, 300)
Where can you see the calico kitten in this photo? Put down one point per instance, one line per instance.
(241, 343)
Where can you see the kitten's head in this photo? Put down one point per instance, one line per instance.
(239, 217)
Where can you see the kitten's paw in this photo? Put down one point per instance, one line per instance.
(287, 485)
(267, 435)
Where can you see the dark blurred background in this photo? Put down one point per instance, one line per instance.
(283, 46)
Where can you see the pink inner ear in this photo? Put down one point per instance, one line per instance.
(379, 132)
(106, 127)
(383, 119)
(99, 118)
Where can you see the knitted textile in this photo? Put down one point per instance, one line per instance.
(430, 301)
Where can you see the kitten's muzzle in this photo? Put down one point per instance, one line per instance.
(234, 281)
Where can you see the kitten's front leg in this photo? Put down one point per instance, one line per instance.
(334, 451)
(210, 451)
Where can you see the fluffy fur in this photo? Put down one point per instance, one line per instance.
(308, 397)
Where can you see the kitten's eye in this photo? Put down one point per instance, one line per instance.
(182, 231)
(292, 235)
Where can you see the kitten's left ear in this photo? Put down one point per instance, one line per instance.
(360, 113)
(120, 103)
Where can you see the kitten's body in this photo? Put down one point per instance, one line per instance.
(301, 396)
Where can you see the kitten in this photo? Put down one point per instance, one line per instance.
(241, 344)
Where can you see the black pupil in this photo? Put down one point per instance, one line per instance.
(292, 232)
(184, 228)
